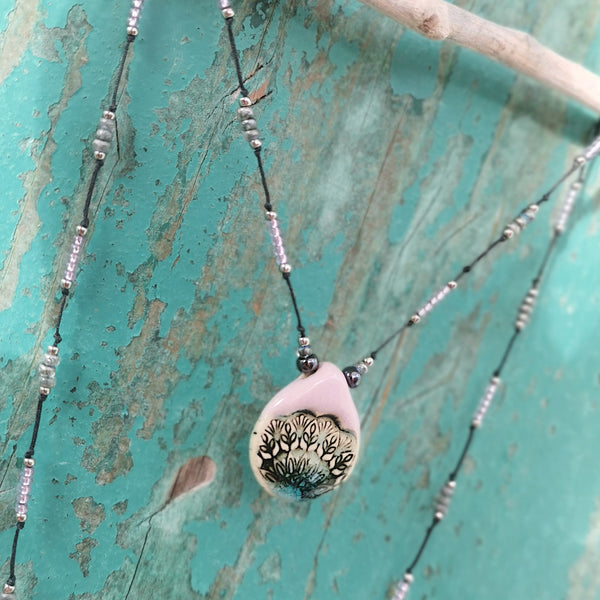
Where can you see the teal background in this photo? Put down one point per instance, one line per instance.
(392, 160)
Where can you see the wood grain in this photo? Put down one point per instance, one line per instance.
(391, 161)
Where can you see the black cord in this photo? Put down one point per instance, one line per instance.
(263, 178)
(36, 426)
(85, 220)
(236, 56)
(130, 40)
(423, 545)
(63, 302)
(13, 555)
(507, 352)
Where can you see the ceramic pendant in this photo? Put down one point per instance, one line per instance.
(306, 439)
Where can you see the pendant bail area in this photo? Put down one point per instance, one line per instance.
(307, 362)
(306, 440)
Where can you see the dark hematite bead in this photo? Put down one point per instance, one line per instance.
(307, 364)
(352, 376)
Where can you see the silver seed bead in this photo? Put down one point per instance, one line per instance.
(285, 268)
(402, 587)
(415, 319)
(99, 155)
(249, 124)
(228, 13)
(369, 361)
(104, 134)
(108, 114)
(255, 144)
(303, 341)
(132, 31)
(245, 112)
(252, 134)
(81, 230)
(46, 371)
(29, 462)
(245, 101)
(47, 382)
(304, 351)
(592, 150)
(44, 390)
(270, 215)
(51, 360)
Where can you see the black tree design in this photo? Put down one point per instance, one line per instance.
(304, 455)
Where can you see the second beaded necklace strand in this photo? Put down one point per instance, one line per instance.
(101, 145)
(524, 312)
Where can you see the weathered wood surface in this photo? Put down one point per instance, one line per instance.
(392, 161)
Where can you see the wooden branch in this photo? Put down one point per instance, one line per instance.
(440, 20)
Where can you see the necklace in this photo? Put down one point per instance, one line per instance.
(215, 361)
(101, 145)
(306, 440)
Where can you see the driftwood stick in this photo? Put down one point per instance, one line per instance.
(439, 20)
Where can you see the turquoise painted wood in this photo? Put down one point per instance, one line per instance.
(392, 161)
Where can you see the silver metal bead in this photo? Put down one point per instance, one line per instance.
(592, 150)
(439, 515)
(252, 134)
(362, 368)
(508, 233)
(51, 360)
(256, 144)
(270, 215)
(368, 361)
(81, 230)
(21, 517)
(47, 382)
(304, 351)
(245, 112)
(99, 155)
(52, 350)
(104, 135)
(132, 31)
(8, 588)
(415, 318)
(44, 390)
(224, 4)
(29, 462)
(245, 101)
(46, 371)
(249, 124)
(285, 268)
(228, 13)
(303, 341)
(108, 114)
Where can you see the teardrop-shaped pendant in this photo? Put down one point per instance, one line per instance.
(306, 440)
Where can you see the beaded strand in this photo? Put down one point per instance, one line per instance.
(307, 362)
(446, 493)
(101, 144)
(517, 225)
